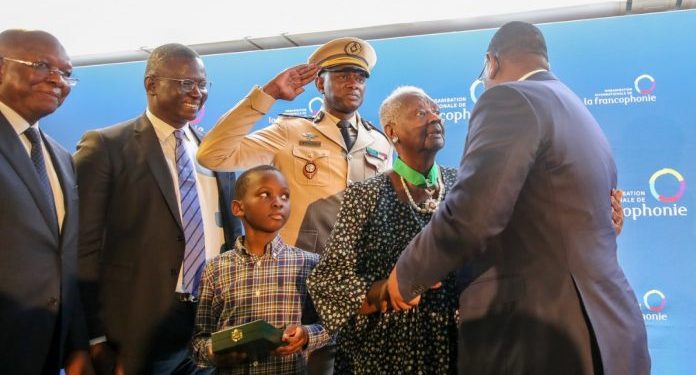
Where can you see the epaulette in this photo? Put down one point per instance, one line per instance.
(369, 126)
(296, 116)
(318, 117)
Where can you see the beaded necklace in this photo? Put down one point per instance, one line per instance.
(430, 204)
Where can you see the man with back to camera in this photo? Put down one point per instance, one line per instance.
(42, 324)
(151, 218)
(527, 215)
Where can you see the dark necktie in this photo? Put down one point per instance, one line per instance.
(191, 219)
(347, 134)
(37, 157)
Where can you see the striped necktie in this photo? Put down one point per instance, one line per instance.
(191, 219)
(37, 157)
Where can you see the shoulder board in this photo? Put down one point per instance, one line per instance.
(318, 117)
(369, 126)
(295, 116)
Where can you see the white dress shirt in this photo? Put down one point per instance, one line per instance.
(206, 186)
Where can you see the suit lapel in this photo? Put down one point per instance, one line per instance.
(149, 144)
(17, 157)
(221, 178)
(225, 185)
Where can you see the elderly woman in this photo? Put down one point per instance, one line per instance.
(378, 218)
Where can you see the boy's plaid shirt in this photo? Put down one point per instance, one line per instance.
(237, 288)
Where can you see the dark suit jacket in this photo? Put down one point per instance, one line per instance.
(528, 217)
(38, 265)
(131, 238)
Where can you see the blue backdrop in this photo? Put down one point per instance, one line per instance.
(635, 73)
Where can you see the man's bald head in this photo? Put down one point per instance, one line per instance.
(516, 49)
(518, 38)
(33, 71)
(163, 55)
(15, 40)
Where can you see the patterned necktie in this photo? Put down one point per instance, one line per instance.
(37, 157)
(347, 134)
(191, 219)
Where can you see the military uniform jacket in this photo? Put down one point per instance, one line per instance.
(310, 153)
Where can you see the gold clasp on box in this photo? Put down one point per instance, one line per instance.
(236, 335)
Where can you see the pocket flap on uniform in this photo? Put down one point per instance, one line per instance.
(308, 153)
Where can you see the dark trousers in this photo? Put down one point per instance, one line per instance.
(52, 363)
(171, 351)
(321, 361)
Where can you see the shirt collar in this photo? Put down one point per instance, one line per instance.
(533, 72)
(164, 130)
(18, 122)
(274, 247)
(334, 120)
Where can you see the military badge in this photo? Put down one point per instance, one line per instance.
(376, 154)
(310, 169)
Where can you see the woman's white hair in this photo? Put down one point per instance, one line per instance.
(391, 106)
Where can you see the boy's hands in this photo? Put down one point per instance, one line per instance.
(296, 338)
(228, 359)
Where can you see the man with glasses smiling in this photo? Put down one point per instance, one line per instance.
(150, 217)
(42, 325)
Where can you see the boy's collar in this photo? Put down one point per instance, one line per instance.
(274, 247)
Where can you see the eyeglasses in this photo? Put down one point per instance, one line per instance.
(187, 85)
(44, 69)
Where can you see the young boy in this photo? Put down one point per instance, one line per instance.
(260, 278)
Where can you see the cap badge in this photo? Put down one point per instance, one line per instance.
(353, 48)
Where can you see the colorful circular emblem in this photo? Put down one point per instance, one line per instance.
(638, 83)
(664, 198)
(353, 48)
(653, 306)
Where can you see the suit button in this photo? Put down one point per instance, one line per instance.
(52, 303)
(349, 157)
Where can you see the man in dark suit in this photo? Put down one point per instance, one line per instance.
(151, 217)
(41, 321)
(543, 292)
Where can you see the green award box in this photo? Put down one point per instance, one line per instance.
(257, 339)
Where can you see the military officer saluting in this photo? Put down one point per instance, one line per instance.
(319, 156)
